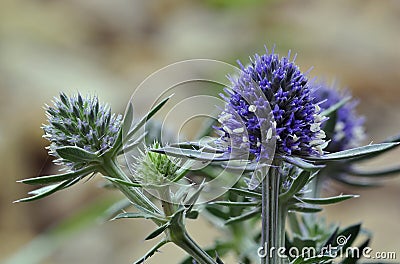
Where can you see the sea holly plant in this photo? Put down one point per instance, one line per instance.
(278, 133)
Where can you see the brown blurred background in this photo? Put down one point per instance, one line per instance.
(108, 47)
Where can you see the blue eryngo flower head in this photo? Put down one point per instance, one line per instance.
(274, 83)
(155, 169)
(81, 122)
(348, 130)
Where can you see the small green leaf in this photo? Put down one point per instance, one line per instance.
(304, 208)
(189, 204)
(128, 119)
(329, 200)
(194, 145)
(216, 211)
(244, 216)
(235, 204)
(138, 215)
(133, 144)
(355, 152)
(119, 181)
(296, 186)
(349, 180)
(59, 177)
(193, 154)
(302, 164)
(194, 214)
(151, 252)
(44, 191)
(246, 193)
(373, 173)
(76, 154)
(116, 208)
(336, 106)
(144, 119)
(157, 232)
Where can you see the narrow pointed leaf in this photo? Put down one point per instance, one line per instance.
(355, 152)
(137, 215)
(302, 164)
(58, 177)
(336, 106)
(44, 191)
(193, 154)
(329, 200)
(119, 181)
(244, 216)
(235, 204)
(128, 119)
(246, 193)
(374, 173)
(189, 204)
(133, 144)
(194, 145)
(76, 154)
(304, 208)
(151, 252)
(296, 186)
(358, 182)
(157, 232)
(115, 209)
(144, 119)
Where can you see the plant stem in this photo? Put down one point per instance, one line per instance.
(177, 233)
(271, 236)
(182, 239)
(110, 168)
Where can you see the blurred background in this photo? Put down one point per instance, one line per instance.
(109, 47)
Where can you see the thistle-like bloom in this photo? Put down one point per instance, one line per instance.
(80, 122)
(348, 130)
(153, 168)
(279, 83)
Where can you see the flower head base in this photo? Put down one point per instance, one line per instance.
(80, 122)
(270, 81)
(154, 168)
(348, 130)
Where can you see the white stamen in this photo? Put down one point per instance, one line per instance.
(295, 138)
(252, 108)
(245, 139)
(258, 143)
(269, 134)
(321, 134)
(225, 117)
(319, 149)
(339, 126)
(317, 108)
(315, 127)
(227, 129)
(238, 130)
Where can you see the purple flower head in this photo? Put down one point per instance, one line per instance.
(271, 93)
(348, 130)
(81, 122)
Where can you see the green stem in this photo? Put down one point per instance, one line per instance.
(281, 228)
(168, 207)
(271, 237)
(110, 168)
(185, 242)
